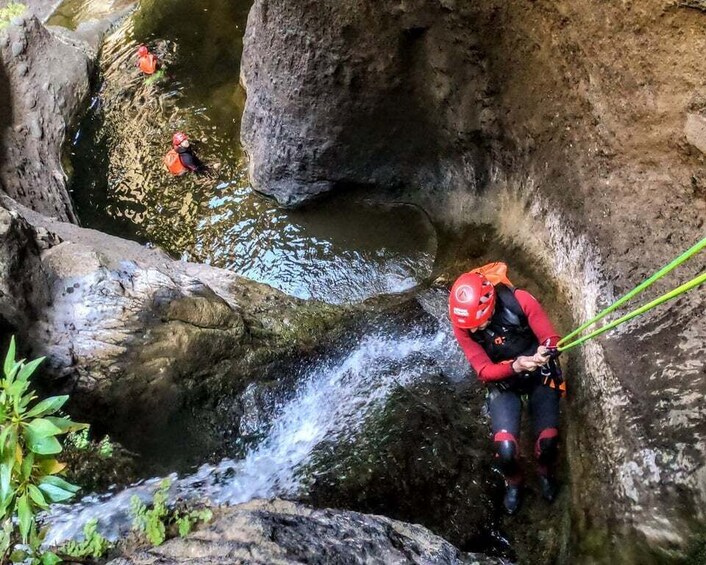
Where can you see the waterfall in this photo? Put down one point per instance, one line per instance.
(331, 404)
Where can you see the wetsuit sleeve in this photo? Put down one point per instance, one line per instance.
(537, 318)
(486, 370)
(191, 162)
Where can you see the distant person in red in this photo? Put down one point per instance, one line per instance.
(510, 343)
(146, 61)
(181, 159)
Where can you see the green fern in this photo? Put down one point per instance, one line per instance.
(152, 521)
(93, 545)
(156, 521)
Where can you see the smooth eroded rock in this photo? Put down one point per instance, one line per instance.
(146, 346)
(353, 93)
(285, 533)
(66, 64)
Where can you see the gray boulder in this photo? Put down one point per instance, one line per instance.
(146, 346)
(45, 81)
(342, 94)
(284, 533)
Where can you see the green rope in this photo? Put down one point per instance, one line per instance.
(638, 289)
(641, 310)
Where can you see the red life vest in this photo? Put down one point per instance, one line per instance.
(174, 164)
(148, 64)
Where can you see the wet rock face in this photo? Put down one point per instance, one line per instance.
(284, 533)
(145, 345)
(356, 93)
(594, 130)
(41, 8)
(23, 286)
(45, 80)
(424, 458)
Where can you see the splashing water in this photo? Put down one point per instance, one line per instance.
(332, 403)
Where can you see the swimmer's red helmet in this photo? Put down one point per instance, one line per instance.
(179, 138)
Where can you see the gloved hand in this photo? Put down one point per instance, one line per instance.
(526, 364)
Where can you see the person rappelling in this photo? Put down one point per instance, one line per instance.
(147, 62)
(513, 348)
(509, 340)
(181, 158)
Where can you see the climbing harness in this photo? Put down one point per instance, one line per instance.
(565, 344)
(552, 376)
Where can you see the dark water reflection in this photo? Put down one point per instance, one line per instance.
(344, 251)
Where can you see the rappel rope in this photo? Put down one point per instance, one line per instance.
(696, 281)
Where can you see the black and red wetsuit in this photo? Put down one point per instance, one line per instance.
(189, 160)
(518, 326)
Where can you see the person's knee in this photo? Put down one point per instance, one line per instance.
(547, 446)
(506, 451)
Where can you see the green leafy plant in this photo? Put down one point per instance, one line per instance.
(106, 448)
(186, 520)
(80, 441)
(98, 465)
(29, 470)
(152, 521)
(157, 521)
(93, 544)
(13, 9)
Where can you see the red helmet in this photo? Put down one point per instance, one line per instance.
(142, 50)
(472, 301)
(178, 138)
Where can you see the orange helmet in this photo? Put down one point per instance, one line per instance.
(178, 138)
(472, 301)
(142, 50)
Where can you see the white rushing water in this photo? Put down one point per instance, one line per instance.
(332, 402)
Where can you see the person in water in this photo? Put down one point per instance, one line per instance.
(147, 62)
(509, 341)
(181, 158)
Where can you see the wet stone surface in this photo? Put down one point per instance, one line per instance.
(284, 533)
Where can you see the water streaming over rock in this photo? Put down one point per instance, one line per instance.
(332, 402)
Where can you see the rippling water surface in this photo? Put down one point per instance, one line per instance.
(345, 250)
(71, 13)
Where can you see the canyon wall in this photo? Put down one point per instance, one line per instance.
(576, 130)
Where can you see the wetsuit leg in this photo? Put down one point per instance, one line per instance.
(505, 410)
(544, 405)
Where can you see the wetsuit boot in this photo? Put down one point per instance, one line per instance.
(506, 446)
(547, 450)
(511, 502)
